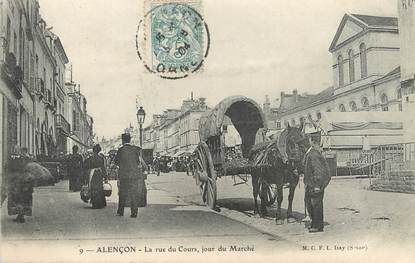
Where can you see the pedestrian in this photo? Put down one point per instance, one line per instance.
(95, 175)
(131, 176)
(75, 171)
(20, 186)
(316, 179)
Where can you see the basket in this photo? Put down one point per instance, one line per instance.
(107, 189)
(85, 193)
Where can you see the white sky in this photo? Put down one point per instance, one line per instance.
(257, 48)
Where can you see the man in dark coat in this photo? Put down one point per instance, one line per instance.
(316, 178)
(75, 171)
(131, 177)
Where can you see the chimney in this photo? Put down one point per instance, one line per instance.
(267, 106)
(282, 94)
(191, 96)
(295, 93)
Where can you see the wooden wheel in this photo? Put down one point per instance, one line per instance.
(267, 193)
(205, 174)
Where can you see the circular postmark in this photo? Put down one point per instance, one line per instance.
(172, 40)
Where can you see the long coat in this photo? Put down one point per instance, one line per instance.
(316, 170)
(131, 175)
(75, 172)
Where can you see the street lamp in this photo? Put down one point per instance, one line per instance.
(141, 115)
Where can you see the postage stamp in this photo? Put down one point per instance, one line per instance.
(173, 39)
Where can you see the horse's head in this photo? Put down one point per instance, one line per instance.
(296, 142)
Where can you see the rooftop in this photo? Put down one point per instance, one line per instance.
(377, 21)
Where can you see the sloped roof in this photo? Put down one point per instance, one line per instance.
(367, 23)
(320, 97)
(377, 21)
(391, 73)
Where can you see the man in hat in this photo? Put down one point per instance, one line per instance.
(131, 176)
(316, 178)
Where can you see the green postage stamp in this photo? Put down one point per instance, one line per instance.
(173, 38)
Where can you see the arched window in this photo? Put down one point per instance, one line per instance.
(342, 108)
(353, 106)
(351, 66)
(286, 123)
(399, 96)
(340, 65)
(363, 61)
(318, 115)
(365, 103)
(384, 101)
(293, 122)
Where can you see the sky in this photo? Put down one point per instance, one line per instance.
(257, 48)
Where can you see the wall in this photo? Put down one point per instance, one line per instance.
(407, 37)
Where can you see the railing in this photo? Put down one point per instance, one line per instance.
(392, 158)
(63, 124)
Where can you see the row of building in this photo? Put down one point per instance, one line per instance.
(41, 108)
(175, 131)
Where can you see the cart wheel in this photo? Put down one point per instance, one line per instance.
(267, 193)
(205, 175)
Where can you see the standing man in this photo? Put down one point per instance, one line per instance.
(75, 171)
(131, 177)
(316, 178)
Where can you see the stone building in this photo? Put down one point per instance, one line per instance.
(81, 124)
(176, 130)
(366, 73)
(32, 65)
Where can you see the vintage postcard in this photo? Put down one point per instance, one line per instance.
(207, 131)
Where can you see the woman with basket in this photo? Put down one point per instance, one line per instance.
(96, 174)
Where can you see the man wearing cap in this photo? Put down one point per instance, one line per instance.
(131, 176)
(316, 178)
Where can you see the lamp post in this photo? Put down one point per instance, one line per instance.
(141, 115)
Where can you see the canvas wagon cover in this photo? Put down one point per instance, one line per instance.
(245, 113)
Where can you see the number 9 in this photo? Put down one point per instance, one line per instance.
(81, 251)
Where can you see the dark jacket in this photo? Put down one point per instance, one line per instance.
(129, 159)
(95, 161)
(316, 170)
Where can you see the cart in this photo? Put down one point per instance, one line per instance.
(209, 156)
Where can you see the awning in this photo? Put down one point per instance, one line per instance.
(360, 130)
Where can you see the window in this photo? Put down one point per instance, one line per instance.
(328, 110)
(340, 65)
(15, 44)
(384, 101)
(353, 106)
(318, 115)
(365, 103)
(342, 108)
(363, 61)
(8, 36)
(292, 122)
(286, 123)
(351, 66)
(278, 124)
(399, 95)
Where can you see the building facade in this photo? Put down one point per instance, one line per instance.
(175, 131)
(366, 73)
(32, 65)
(80, 123)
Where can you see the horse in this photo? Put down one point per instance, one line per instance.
(276, 162)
